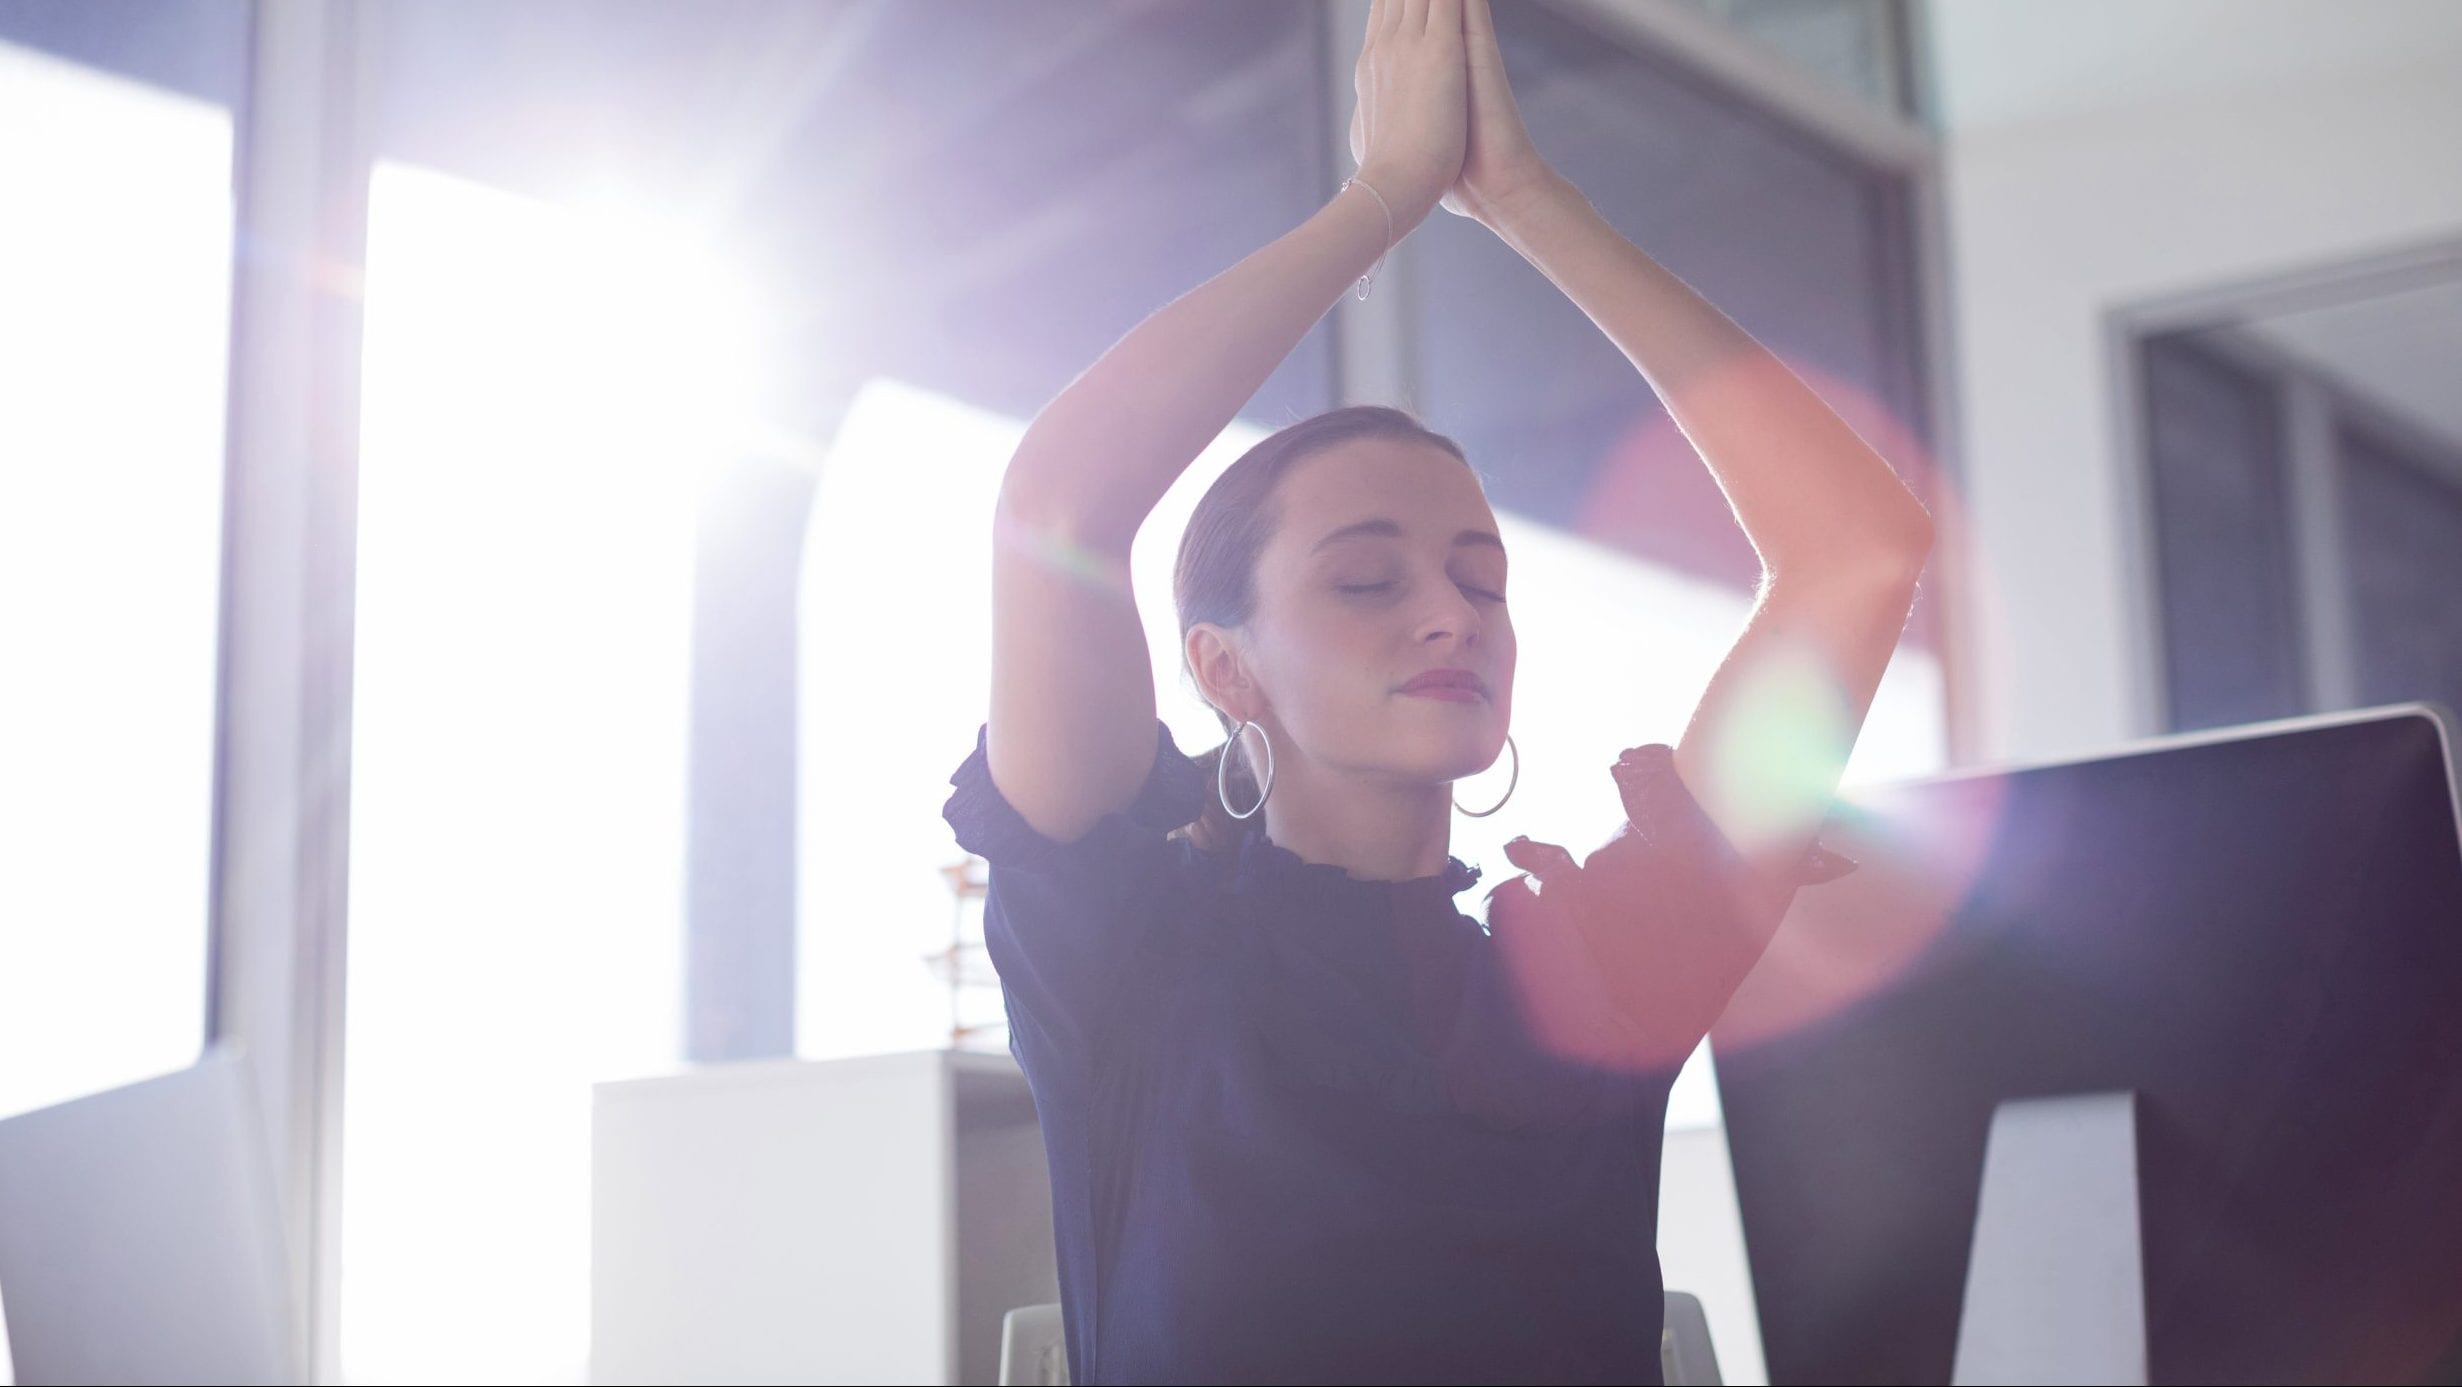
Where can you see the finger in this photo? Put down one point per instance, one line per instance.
(1551, 864)
(1380, 16)
(1445, 18)
(1414, 17)
(1390, 15)
(1478, 21)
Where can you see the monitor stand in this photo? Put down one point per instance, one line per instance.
(2055, 1283)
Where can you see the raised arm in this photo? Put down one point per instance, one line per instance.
(1071, 732)
(1841, 539)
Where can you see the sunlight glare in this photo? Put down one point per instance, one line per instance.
(547, 393)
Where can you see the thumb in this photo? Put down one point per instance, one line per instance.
(1551, 864)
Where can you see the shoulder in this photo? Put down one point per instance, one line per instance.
(987, 824)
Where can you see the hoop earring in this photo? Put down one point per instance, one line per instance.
(1222, 769)
(1516, 780)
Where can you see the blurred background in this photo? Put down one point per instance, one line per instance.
(494, 497)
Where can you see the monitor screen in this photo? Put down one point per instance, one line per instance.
(2257, 930)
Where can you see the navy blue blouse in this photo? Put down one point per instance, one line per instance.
(1308, 1127)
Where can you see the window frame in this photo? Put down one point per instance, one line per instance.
(2313, 410)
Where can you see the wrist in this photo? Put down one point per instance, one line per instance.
(1535, 194)
(1408, 195)
(1374, 195)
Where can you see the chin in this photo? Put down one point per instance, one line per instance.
(1427, 739)
(1466, 748)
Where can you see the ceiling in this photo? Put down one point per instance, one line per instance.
(2009, 62)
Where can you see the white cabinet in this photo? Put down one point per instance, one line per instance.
(858, 1220)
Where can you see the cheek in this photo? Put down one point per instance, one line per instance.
(1326, 657)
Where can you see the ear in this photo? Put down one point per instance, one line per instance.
(1221, 667)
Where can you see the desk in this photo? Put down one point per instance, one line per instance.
(857, 1220)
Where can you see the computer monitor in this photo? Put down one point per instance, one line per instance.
(2257, 930)
(139, 1240)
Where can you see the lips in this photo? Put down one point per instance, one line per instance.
(1454, 681)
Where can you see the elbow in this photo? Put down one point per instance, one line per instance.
(1893, 555)
(1912, 549)
(1904, 536)
(1921, 532)
(1062, 516)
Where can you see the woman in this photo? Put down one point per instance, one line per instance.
(1307, 1120)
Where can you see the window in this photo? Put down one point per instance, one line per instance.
(1858, 46)
(114, 305)
(545, 393)
(115, 286)
(2230, 581)
(2303, 463)
(2402, 520)
(897, 634)
(1088, 167)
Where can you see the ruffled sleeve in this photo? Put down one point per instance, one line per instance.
(1663, 809)
(1060, 919)
(1625, 959)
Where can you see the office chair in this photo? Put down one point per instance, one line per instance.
(1034, 1346)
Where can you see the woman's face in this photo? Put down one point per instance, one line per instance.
(1384, 565)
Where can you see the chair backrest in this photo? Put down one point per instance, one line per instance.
(1034, 1347)
(1685, 1358)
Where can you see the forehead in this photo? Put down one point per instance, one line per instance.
(1420, 486)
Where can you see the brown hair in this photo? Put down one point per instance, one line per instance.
(1215, 577)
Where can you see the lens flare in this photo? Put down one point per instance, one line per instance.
(1088, 566)
(1779, 747)
(1921, 855)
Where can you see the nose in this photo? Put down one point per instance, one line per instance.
(1453, 617)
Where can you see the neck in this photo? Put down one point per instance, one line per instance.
(1374, 829)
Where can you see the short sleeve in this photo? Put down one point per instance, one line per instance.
(1629, 957)
(1664, 811)
(1061, 919)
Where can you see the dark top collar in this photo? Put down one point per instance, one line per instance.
(1263, 866)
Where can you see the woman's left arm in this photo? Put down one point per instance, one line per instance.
(1840, 537)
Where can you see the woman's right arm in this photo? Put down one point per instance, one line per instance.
(1071, 731)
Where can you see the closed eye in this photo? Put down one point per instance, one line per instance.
(1380, 587)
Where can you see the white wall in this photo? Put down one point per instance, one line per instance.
(1701, 1247)
(2101, 154)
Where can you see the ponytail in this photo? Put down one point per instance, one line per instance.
(1214, 830)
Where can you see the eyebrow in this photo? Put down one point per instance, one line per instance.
(1390, 530)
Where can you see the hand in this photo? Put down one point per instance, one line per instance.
(1607, 969)
(1499, 164)
(1409, 128)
